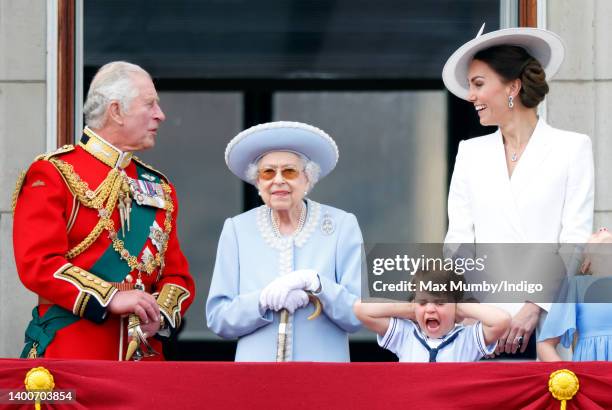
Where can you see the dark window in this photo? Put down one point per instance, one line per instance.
(368, 72)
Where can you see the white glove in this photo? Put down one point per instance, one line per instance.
(296, 299)
(274, 296)
(306, 279)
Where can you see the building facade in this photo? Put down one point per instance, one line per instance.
(580, 100)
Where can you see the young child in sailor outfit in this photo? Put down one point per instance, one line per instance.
(428, 329)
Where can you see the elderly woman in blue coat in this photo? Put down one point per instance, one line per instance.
(269, 257)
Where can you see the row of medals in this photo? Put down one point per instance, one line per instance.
(124, 204)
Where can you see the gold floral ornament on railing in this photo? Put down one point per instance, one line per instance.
(39, 379)
(563, 385)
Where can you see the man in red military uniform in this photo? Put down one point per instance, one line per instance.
(95, 232)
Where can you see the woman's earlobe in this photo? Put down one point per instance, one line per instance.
(516, 86)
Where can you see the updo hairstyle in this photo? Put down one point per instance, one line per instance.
(512, 62)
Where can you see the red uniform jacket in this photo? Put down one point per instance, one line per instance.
(50, 220)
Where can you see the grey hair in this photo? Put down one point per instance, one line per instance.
(311, 169)
(112, 82)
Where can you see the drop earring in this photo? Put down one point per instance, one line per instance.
(510, 102)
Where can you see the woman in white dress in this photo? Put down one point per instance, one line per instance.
(527, 182)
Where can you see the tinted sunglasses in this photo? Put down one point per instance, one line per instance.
(287, 173)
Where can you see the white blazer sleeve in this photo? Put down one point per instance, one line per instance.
(231, 314)
(577, 216)
(460, 220)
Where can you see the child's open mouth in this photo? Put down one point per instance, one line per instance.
(432, 324)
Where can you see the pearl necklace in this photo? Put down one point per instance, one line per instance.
(301, 221)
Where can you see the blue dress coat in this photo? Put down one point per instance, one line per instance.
(250, 256)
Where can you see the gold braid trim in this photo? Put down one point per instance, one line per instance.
(81, 304)
(107, 191)
(100, 226)
(62, 150)
(91, 199)
(18, 186)
(22, 175)
(88, 284)
(169, 300)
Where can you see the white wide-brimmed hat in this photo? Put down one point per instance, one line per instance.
(253, 143)
(543, 45)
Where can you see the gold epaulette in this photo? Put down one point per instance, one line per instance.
(108, 189)
(22, 175)
(144, 164)
(49, 156)
(59, 151)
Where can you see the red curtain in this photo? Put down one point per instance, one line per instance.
(195, 385)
